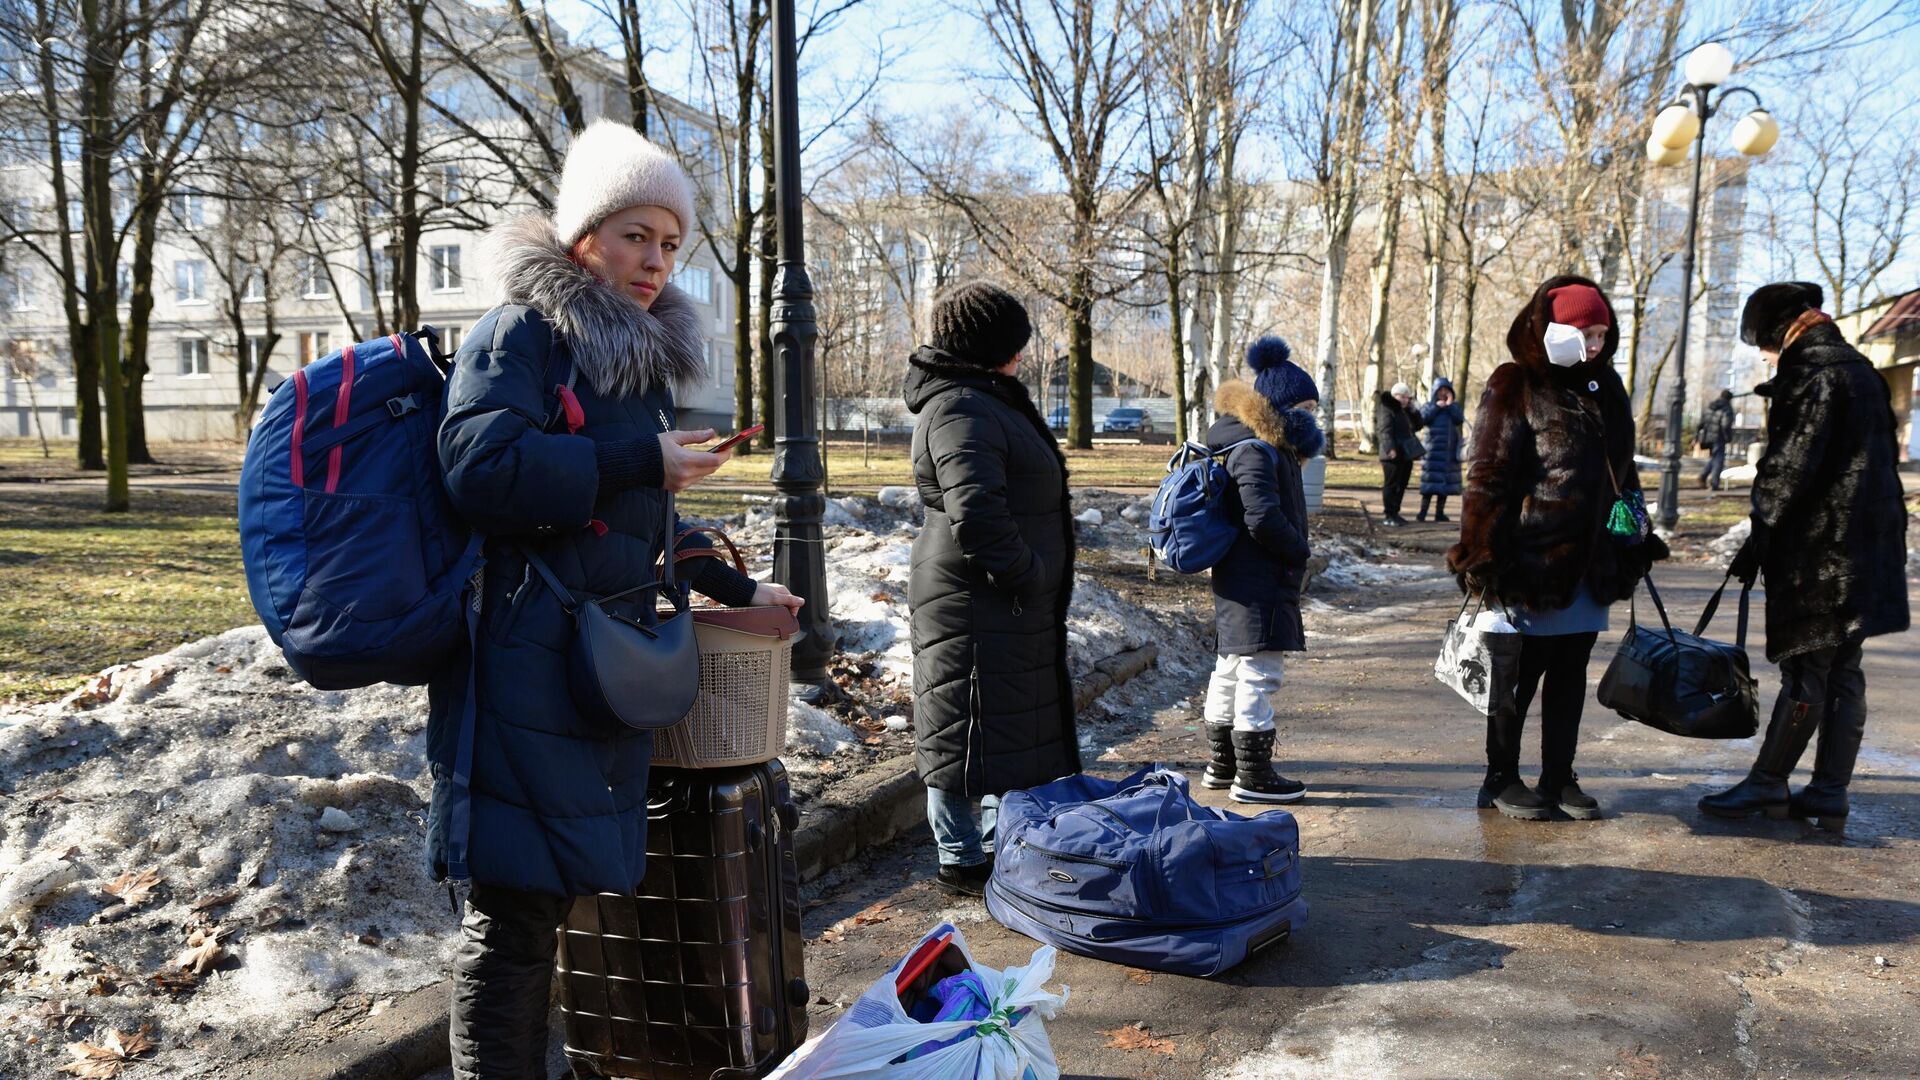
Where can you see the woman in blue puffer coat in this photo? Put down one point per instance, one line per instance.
(1440, 469)
(557, 800)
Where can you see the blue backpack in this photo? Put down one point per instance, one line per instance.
(1189, 528)
(1136, 872)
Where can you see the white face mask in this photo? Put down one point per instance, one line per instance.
(1566, 345)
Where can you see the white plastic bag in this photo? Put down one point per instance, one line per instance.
(864, 1042)
(1480, 659)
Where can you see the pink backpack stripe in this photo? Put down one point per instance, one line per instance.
(299, 426)
(341, 403)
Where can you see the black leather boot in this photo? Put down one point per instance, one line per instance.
(1764, 791)
(1253, 777)
(1824, 799)
(1567, 796)
(1219, 772)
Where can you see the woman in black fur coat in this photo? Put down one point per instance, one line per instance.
(1829, 533)
(1552, 449)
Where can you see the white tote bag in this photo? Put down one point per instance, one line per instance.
(1480, 658)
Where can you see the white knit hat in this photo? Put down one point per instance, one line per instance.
(611, 167)
(1400, 389)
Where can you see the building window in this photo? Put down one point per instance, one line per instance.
(451, 191)
(189, 209)
(256, 353)
(123, 280)
(695, 281)
(450, 338)
(314, 284)
(76, 216)
(379, 279)
(17, 288)
(313, 346)
(446, 268)
(190, 282)
(194, 358)
(253, 283)
(312, 201)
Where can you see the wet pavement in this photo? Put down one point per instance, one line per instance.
(1449, 942)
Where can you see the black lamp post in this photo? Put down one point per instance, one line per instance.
(1680, 125)
(799, 554)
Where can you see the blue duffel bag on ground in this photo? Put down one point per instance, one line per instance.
(1136, 872)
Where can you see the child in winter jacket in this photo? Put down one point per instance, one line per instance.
(1256, 587)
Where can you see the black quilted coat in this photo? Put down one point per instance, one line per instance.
(992, 576)
(1534, 513)
(1827, 503)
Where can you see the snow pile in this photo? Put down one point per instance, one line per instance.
(284, 823)
(815, 731)
(1353, 565)
(1729, 543)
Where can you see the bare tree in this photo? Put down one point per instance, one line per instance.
(1859, 188)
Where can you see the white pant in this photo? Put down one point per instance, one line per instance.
(1242, 689)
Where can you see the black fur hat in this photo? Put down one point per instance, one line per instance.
(980, 323)
(1772, 308)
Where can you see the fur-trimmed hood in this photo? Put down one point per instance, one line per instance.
(1293, 431)
(620, 348)
(1526, 338)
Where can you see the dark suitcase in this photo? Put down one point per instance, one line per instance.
(700, 974)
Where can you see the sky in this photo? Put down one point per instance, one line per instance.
(931, 45)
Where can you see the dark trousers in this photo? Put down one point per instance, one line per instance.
(503, 974)
(1560, 661)
(1426, 500)
(1393, 486)
(1716, 462)
(1833, 677)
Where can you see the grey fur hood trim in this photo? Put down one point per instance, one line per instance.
(620, 348)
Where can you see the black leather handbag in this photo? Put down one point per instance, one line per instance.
(620, 668)
(1681, 683)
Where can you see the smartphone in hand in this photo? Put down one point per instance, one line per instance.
(734, 440)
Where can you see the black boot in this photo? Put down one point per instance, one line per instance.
(1824, 799)
(1567, 796)
(1764, 791)
(1219, 772)
(1253, 777)
(1440, 510)
(1425, 502)
(1505, 792)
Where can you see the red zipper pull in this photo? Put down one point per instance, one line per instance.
(599, 527)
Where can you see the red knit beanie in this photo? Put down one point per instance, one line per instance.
(1579, 306)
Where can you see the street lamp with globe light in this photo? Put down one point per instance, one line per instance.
(1682, 123)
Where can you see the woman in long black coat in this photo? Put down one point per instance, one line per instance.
(1829, 534)
(992, 575)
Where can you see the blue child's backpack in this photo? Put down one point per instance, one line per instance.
(1136, 872)
(1189, 528)
(355, 558)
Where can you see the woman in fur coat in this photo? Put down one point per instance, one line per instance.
(1270, 429)
(1830, 534)
(1552, 450)
(556, 803)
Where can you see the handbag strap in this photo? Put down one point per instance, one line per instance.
(1713, 607)
(1657, 606)
(665, 582)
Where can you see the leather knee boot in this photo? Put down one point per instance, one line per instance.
(1824, 799)
(1764, 791)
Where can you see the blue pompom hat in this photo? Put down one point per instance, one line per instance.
(1277, 378)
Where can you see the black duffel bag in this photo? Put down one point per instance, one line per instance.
(1684, 683)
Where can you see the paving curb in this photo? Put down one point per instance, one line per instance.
(850, 817)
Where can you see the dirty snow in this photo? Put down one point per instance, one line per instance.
(1728, 544)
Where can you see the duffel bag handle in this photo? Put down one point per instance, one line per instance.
(1654, 594)
(1713, 607)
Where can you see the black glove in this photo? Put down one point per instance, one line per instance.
(1746, 564)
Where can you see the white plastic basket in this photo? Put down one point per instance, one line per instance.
(740, 715)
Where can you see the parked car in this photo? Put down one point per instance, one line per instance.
(1057, 419)
(1128, 421)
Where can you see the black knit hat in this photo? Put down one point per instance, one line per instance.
(980, 323)
(1772, 308)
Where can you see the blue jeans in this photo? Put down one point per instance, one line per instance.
(1716, 461)
(962, 840)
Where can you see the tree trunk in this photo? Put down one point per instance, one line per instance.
(1333, 276)
(146, 227)
(1464, 378)
(86, 384)
(1080, 359)
(98, 149)
(1176, 312)
(769, 250)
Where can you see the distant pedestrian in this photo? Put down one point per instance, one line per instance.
(1444, 418)
(1716, 432)
(1394, 425)
(1256, 588)
(1552, 450)
(1829, 533)
(992, 572)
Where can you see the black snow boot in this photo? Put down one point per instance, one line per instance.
(1440, 510)
(1253, 777)
(1507, 793)
(1567, 796)
(1220, 770)
(1824, 799)
(1764, 791)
